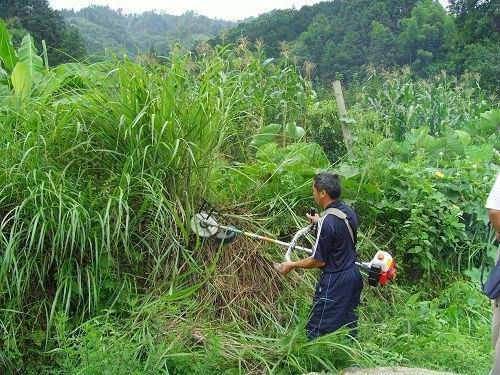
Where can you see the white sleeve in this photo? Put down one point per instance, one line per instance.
(493, 201)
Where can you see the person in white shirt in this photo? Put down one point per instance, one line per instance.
(493, 206)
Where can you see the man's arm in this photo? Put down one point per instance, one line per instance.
(309, 262)
(494, 216)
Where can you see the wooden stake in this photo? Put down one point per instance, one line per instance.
(45, 57)
(339, 98)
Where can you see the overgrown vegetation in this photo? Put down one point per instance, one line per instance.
(102, 166)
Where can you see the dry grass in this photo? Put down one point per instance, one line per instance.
(245, 282)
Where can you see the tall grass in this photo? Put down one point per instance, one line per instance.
(439, 329)
(100, 173)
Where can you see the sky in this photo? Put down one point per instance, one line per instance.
(222, 9)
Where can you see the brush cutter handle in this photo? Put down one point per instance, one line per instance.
(293, 243)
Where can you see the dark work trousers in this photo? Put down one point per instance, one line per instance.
(336, 298)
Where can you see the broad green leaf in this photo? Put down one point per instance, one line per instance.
(299, 132)
(474, 274)
(346, 171)
(310, 154)
(455, 145)
(301, 98)
(294, 131)
(481, 153)
(290, 129)
(435, 145)
(53, 80)
(490, 120)
(464, 137)
(27, 55)
(21, 80)
(266, 135)
(268, 152)
(491, 251)
(7, 51)
(418, 137)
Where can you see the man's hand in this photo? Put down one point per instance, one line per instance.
(313, 218)
(284, 267)
(307, 263)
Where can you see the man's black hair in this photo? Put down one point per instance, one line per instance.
(328, 182)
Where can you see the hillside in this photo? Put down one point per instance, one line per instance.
(103, 27)
(131, 189)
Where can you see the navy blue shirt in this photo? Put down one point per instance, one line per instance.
(334, 245)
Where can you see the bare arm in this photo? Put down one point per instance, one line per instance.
(494, 216)
(309, 262)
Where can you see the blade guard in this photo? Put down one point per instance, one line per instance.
(203, 224)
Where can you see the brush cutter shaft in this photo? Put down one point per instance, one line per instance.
(256, 236)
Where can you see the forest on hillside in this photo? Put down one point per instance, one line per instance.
(330, 40)
(151, 32)
(87, 33)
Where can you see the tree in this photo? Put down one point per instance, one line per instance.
(72, 45)
(478, 42)
(17, 30)
(426, 37)
(476, 20)
(43, 23)
(382, 48)
(105, 28)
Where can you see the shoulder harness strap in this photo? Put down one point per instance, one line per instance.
(342, 216)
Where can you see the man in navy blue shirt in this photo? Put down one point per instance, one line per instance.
(339, 288)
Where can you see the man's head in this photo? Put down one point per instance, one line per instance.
(326, 188)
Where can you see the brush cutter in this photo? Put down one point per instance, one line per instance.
(380, 270)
